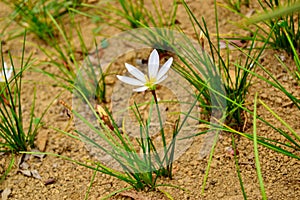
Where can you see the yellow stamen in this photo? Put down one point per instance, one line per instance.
(150, 83)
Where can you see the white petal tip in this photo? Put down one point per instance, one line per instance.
(140, 89)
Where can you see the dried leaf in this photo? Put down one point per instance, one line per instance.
(25, 172)
(250, 13)
(23, 158)
(36, 174)
(26, 157)
(223, 45)
(5, 194)
(104, 116)
(49, 181)
(41, 140)
(66, 112)
(232, 44)
(24, 165)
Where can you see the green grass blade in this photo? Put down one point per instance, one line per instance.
(238, 167)
(256, 154)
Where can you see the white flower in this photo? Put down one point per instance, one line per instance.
(7, 73)
(154, 77)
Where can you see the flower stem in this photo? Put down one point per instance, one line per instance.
(154, 95)
(165, 170)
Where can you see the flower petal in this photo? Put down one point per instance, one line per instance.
(8, 72)
(135, 72)
(130, 81)
(161, 79)
(2, 79)
(140, 89)
(164, 69)
(153, 64)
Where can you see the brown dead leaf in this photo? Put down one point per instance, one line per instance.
(49, 181)
(41, 140)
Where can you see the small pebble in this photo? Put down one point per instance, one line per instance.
(263, 95)
(282, 58)
(220, 195)
(278, 100)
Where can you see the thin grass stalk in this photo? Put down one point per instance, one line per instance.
(281, 120)
(237, 167)
(115, 192)
(147, 145)
(211, 154)
(9, 168)
(261, 140)
(275, 84)
(161, 128)
(256, 154)
(91, 184)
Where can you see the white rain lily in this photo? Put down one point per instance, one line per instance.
(154, 76)
(7, 73)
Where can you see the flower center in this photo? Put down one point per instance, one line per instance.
(150, 82)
